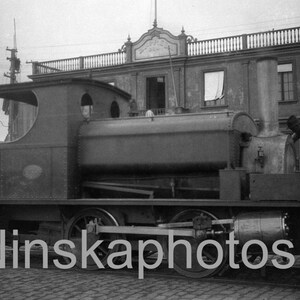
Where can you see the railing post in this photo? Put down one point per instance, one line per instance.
(128, 50)
(34, 68)
(244, 41)
(81, 62)
(183, 43)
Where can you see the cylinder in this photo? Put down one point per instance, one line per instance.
(267, 227)
(267, 89)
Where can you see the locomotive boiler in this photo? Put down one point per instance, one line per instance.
(84, 164)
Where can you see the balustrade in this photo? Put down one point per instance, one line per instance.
(245, 41)
(273, 38)
(78, 63)
(194, 48)
(226, 44)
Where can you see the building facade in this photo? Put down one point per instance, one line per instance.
(162, 71)
(167, 73)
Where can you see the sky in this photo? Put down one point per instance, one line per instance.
(56, 29)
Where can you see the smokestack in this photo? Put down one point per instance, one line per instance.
(267, 85)
(270, 152)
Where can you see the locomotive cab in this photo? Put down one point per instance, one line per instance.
(41, 164)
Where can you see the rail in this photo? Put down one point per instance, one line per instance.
(194, 48)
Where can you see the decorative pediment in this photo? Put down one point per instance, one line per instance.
(155, 44)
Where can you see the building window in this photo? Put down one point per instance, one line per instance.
(214, 88)
(285, 82)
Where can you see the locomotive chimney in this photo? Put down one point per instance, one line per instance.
(270, 152)
(267, 86)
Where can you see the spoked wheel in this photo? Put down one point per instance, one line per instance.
(209, 252)
(79, 222)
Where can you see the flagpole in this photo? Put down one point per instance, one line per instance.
(155, 14)
(173, 79)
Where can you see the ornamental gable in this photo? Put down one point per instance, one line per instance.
(155, 44)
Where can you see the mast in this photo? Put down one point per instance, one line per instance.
(10, 108)
(14, 60)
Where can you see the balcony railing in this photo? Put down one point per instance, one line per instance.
(221, 45)
(245, 41)
(79, 63)
(194, 48)
(273, 38)
(155, 111)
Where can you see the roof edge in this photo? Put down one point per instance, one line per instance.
(29, 85)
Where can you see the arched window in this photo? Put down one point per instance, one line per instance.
(86, 106)
(114, 110)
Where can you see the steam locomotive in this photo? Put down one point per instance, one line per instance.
(85, 164)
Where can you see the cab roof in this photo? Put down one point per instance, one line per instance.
(23, 91)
